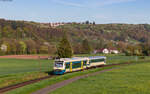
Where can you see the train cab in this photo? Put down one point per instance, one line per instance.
(59, 67)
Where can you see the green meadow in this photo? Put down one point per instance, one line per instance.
(132, 79)
(101, 82)
(11, 66)
(14, 71)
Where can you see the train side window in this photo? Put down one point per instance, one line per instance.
(67, 65)
(76, 64)
(96, 60)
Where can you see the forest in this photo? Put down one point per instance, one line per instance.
(24, 37)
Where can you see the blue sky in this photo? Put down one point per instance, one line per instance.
(100, 11)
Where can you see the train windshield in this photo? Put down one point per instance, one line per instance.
(59, 64)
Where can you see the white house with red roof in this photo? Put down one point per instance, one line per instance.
(107, 51)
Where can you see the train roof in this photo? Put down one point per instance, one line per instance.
(97, 57)
(72, 59)
(80, 58)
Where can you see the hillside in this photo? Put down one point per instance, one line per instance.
(129, 33)
(22, 37)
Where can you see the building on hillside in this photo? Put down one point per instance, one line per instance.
(56, 24)
(53, 25)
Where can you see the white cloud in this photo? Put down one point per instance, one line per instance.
(68, 3)
(90, 3)
(110, 2)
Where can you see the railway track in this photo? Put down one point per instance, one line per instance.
(12, 87)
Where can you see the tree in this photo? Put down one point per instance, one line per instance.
(87, 22)
(31, 46)
(130, 49)
(100, 44)
(87, 49)
(110, 44)
(13, 47)
(146, 49)
(7, 32)
(0, 32)
(19, 33)
(23, 47)
(121, 46)
(51, 50)
(64, 49)
(93, 22)
(77, 48)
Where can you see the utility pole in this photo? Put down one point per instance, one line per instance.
(39, 65)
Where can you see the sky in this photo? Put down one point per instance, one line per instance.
(100, 11)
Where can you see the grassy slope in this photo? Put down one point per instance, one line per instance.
(133, 79)
(13, 71)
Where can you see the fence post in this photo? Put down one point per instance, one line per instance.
(39, 65)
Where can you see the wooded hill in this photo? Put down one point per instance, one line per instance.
(22, 37)
(129, 33)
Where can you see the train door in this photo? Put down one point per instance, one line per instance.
(88, 63)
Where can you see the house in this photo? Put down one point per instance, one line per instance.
(107, 51)
(114, 51)
(3, 47)
(104, 50)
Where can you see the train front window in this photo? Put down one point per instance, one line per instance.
(59, 64)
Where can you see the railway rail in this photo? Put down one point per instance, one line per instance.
(15, 86)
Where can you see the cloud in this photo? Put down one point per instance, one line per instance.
(69, 3)
(110, 2)
(90, 3)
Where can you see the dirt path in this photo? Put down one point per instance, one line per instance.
(24, 56)
(63, 83)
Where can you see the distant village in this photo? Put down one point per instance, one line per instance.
(56, 24)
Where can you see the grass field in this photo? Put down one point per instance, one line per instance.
(14, 71)
(11, 66)
(14, 66)
(134, 79)
(33, 87)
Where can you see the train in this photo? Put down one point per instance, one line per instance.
(65, 65)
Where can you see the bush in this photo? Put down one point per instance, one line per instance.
(2, 53)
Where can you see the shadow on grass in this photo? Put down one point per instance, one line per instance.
(49, 72)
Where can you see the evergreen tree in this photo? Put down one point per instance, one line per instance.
(87, 49)
(87, 22)
(94, 23)
(64, 49)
